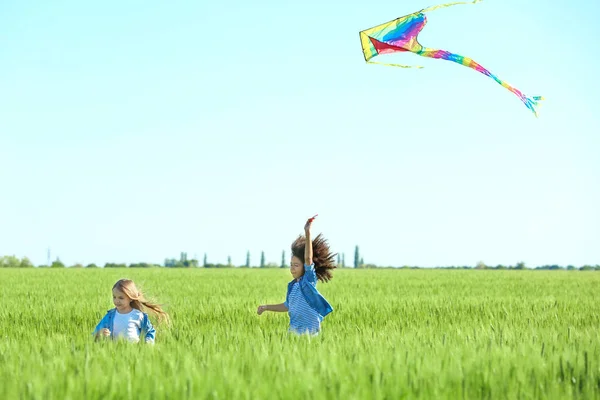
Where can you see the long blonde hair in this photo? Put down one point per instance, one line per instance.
(138, 301)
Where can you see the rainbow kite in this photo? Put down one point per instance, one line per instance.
(400, 35)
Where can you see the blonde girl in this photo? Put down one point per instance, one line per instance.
(128, 320)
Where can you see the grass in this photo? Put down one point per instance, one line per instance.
(394, 334)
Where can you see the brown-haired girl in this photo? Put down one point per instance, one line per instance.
(311, 261)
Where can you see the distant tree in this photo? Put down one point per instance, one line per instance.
(113, 265)
(587, 268)
(500, 266)
(356, 257)
(550, 267)
(362, 262)
(481, 265)
(339, 260)
(248, 259)
(78, 265)
(218, 265)
(262, 259)
(283, 263)
(169, 262)
(205, 260)
(343, 260)
(143, 265)
(92, 265)
(520, 265)
(25, 263)
(57, 264)
(570, 268)
(229, 261)
(10, 262)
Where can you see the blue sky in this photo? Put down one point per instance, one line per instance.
(131, 131)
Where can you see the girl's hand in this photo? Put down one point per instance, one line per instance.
(105, 332)
(261, 309)
(309, 223)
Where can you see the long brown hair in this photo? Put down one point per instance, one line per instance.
(138, 301)
(323, 258)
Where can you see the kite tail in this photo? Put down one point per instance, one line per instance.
(530, 102)
(449, 5)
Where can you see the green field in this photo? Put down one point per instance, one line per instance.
(394, 334)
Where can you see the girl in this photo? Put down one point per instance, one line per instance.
(311, 260)
(127, 320)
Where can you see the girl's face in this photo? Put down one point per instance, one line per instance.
(296, 267)
(121, 301)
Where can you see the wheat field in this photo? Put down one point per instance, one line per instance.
(394, 334)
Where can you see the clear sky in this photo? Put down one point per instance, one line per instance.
(133, 130)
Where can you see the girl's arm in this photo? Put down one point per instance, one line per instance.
(272, 307)
(105, 332)
(308, 251)
(101, 329)
(148, 330)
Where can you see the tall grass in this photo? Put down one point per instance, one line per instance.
(394, 334)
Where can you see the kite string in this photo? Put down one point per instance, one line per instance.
(449, 5)
(395, 65)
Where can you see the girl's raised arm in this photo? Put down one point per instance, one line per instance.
(308, 251)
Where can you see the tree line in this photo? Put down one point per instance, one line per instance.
(183, 262)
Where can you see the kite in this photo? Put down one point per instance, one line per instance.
(400, 35)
